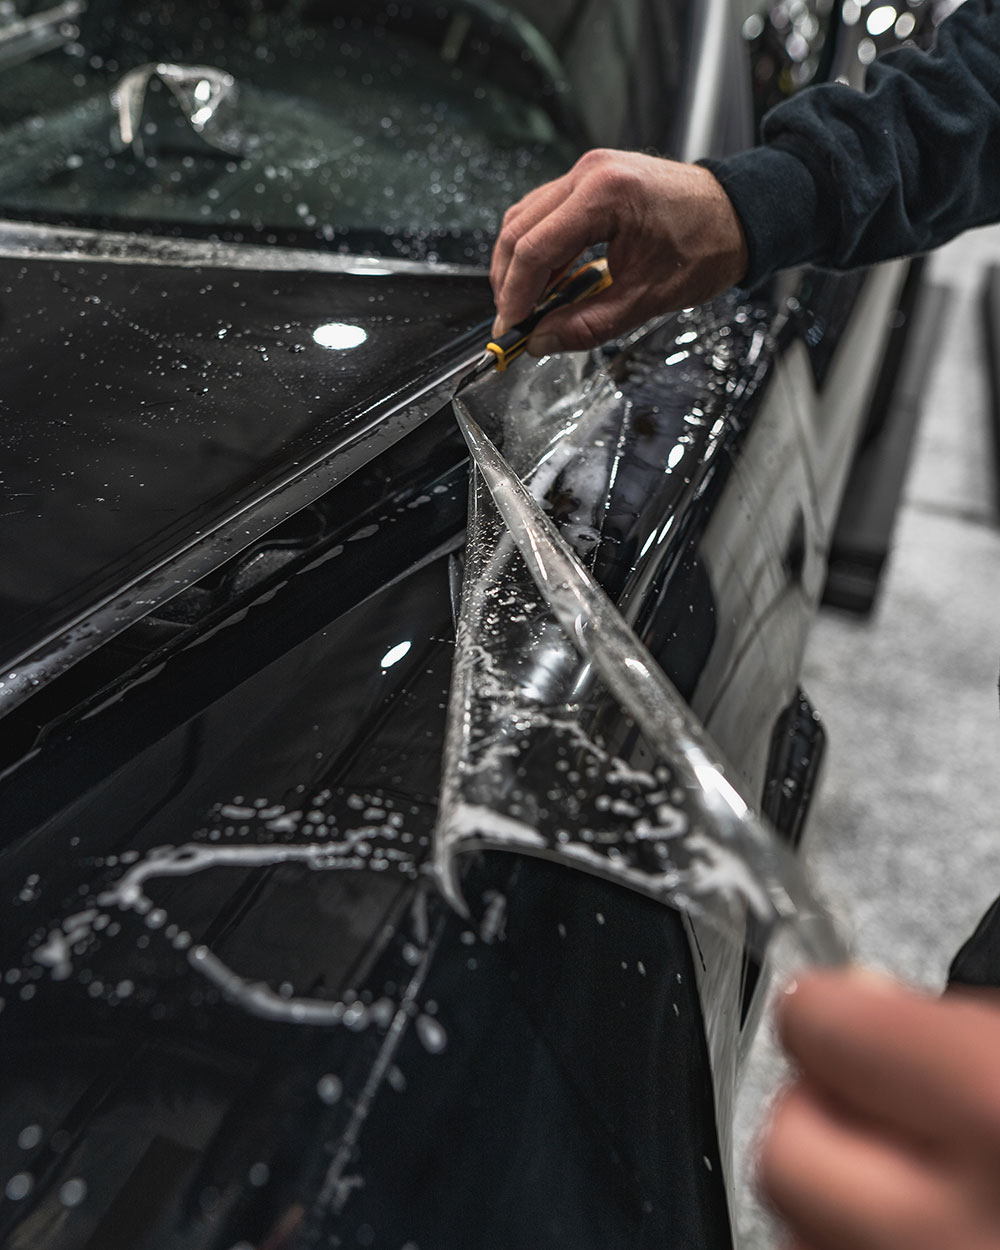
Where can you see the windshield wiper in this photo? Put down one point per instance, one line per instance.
(28, 37)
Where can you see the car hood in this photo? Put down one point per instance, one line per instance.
(157, 417)
(229, 856)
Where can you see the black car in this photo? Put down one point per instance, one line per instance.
(242, 272)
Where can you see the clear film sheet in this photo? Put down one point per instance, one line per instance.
(565, 738)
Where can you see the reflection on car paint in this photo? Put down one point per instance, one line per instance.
(121, 480)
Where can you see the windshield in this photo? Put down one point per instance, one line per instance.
(387, 127)
(394, 128)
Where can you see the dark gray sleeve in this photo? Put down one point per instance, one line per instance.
(978, 962)
(844, 178)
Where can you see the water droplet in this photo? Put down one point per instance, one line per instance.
(431, 1034)
(73, 1192)
(259, 1175)
(330, 1088)
(19, 1186)
(356, 1017)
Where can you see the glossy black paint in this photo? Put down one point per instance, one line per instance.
(323, 714)
(221, 1093)
(175, 397)
(555, 1070)
(282, 696)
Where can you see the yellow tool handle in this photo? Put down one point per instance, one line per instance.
(587, 280)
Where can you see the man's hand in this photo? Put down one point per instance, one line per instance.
(673, 240)
(889, 1138)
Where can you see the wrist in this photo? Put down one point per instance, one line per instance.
(777, 204)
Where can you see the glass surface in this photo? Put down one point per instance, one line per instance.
(393, 127)
(381, 125)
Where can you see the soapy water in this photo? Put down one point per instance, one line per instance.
(360, 831)
(243, 836)
(524, 706)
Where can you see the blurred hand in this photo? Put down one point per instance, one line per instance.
(673, 240)
(889, 1138)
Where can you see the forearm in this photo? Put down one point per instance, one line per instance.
(845, 178)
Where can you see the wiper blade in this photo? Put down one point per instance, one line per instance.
(28, 37)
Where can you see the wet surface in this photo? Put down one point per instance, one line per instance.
(236, 1011)
(172, 398)
(268, 1021)
(238, 930)
(223, 871)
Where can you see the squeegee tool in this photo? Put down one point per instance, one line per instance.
(589, 279)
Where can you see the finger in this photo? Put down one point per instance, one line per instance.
(840, 1188)
(546, 248)
(516, 221)
(519, 219)
(920, 1065)
(590, 323)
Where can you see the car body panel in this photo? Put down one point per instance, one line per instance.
(194, 396)
(235, 1010)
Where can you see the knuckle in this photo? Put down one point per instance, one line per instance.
(510, 217)
(602, 171)
(594, 158)
(613, 188)
(529, 249)
(622, 181)
(507, 237)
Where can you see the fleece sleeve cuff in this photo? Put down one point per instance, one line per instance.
(785, 217)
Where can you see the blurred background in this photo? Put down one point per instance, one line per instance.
(902, 840)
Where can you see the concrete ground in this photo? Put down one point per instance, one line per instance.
(904, 838)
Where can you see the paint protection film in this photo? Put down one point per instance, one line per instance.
(565, 738)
